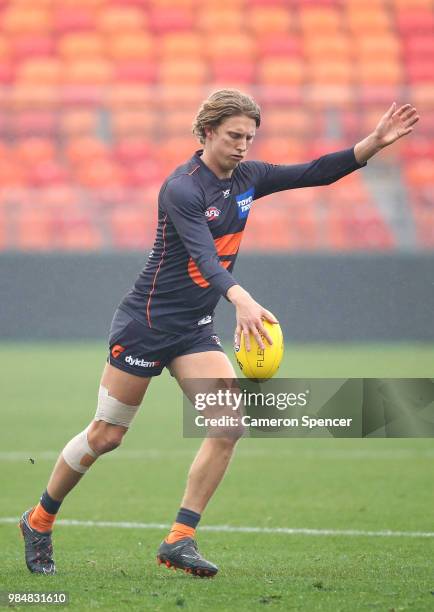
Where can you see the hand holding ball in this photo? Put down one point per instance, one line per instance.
(260, 364)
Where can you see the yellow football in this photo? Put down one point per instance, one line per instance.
(260, 364)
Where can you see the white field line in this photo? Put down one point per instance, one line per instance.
(228, 529)
(153, 453)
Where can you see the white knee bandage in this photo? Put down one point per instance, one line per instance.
(78, 454)
(113, 411)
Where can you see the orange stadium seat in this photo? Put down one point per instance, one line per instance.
(81, 45)
(412, 4)
(78, 122)
(5, 120)
(279, 45)
(126, 123)
(145, 172)
(280, 71)
(366, 19)
(305, 231)
(281, 150)
(279, 122)
(132, 149)
(60, 196)
(34, 95)
(223, 4)
(35, 231)
(26, 19)
(175, 150)
(372, 93)
(186, 72)
(418, 148)
(268, 21)
(113, 19)
(232, 72)
(176, 123)
(82, 150)
(45, 71)
(40, 4)
(320, 19)
(318, 47)
(101, 173)
(69, 19)
(181, 44)
(268, 3)
(415, 21)
(162, 20)
(139, 71)
(131, 228)
(330, 71)
(321, 146)
(5, 46)
(3, 231)
(377, 47)
(323, 95)
(47, 173)
(87, 72)
(170, 4)
(420, 173)
(380, 72)
(420, 71)
(132, 96)
(221, 46)
(7, 72)
(77, 232)
(419, 46)
(174, 97)
(29, 151)
(11, 174)
(422, 95)
(357, 4)
(42, 122)
(130, 46)
(89, 4)
(221, 19)
(29, 46)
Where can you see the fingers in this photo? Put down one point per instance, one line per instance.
(411, 112)
(237, 339)
(269, 316)
(412, 121)
(391, 110)
(402, 109)
(258, 331)
(246, 337)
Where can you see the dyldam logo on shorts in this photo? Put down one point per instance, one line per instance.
(135, 361)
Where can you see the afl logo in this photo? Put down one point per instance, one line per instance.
(212, 213)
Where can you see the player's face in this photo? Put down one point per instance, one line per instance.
(229, 142)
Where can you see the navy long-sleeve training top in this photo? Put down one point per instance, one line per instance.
(201, 220)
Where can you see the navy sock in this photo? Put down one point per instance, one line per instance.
(49, 504)
(188, 517)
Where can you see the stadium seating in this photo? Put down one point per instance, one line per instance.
(97, 99)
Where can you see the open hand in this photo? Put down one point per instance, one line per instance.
(396, 123)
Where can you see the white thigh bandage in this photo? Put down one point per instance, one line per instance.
(78, 454)
(113, 411)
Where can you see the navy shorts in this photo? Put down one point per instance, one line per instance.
(143, 351)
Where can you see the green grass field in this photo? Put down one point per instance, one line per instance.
(370, 485)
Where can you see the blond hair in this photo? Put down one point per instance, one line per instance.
(220, 105)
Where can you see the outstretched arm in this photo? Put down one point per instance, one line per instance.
(393, 125)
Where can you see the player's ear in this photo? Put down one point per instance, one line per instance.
(209, 131)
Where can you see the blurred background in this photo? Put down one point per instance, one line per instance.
(97, 98)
